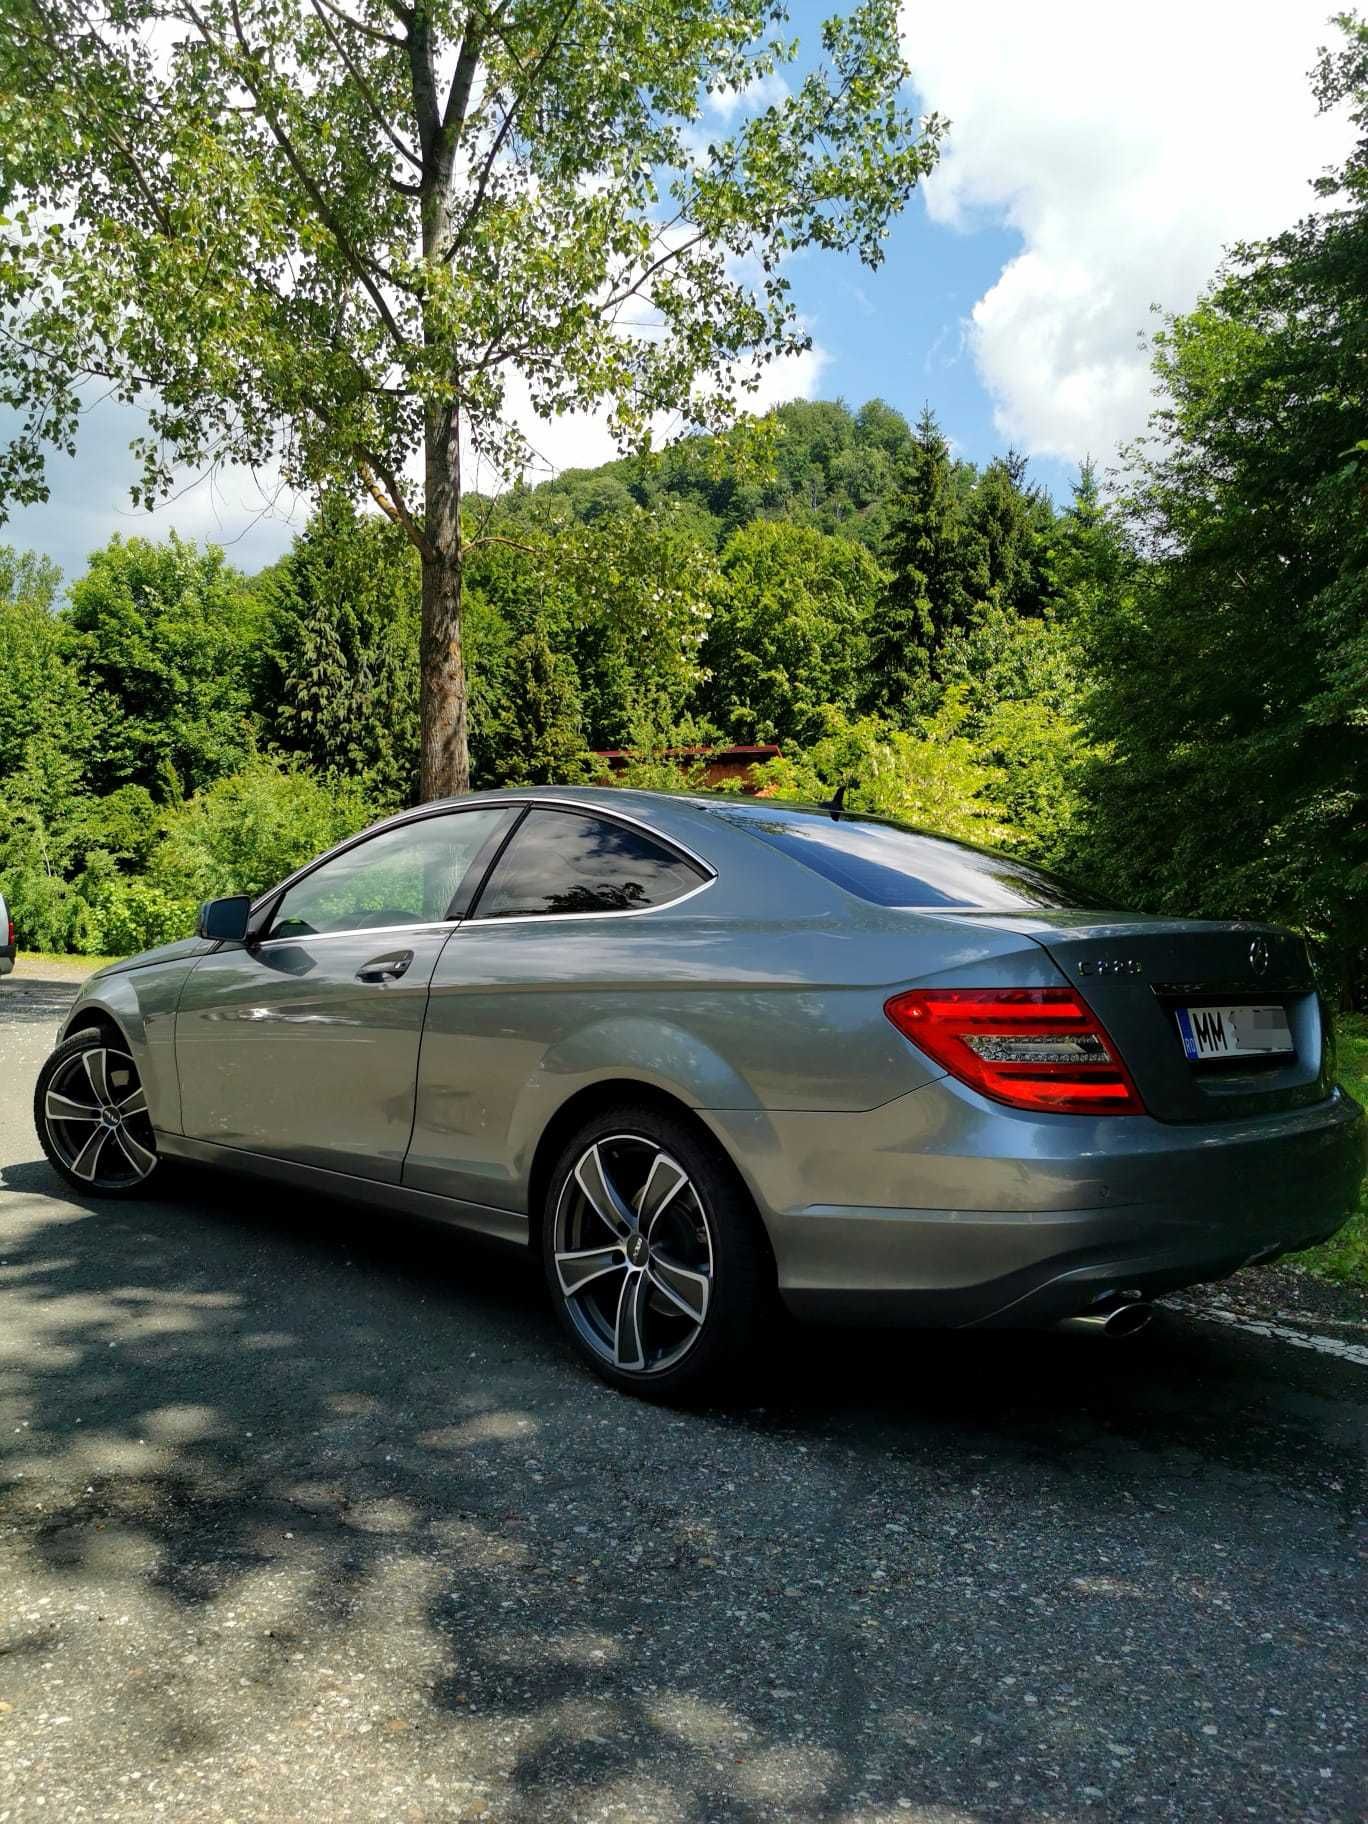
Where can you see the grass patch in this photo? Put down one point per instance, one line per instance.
(88, 963)
(1345, 1258)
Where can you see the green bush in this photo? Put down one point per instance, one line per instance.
(245, 832)
(131, 915)
(49, 914)
(1345, 1256)
(932, 777)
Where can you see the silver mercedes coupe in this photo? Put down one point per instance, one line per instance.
(711, 1055)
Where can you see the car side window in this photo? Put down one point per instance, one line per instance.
(403, 876)
(563, 862)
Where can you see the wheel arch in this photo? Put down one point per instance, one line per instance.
(612, 1092)
(98, 1019)
(134, 1010)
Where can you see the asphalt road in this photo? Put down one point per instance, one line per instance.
(306, 1514)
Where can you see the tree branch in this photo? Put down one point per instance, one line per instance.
(462, 81)
(423, 80)
(361, 268)
(160, 213)
(619, 298)
(506, 127)
(359, 25)
(378, 494)
(390, 499)
(494, 538)
(366, 92)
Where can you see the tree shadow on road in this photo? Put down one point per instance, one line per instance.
(312, 1493)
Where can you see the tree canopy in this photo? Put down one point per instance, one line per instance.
(332, 239)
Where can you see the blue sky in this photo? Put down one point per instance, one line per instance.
(898, 333)
(1093, 171)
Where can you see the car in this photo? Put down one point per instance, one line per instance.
(713, 1056)
(8, 946)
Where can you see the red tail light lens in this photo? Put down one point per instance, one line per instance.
(10, 938)
(1041, 1048)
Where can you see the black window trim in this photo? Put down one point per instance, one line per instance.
(706, 872)
(477, 874)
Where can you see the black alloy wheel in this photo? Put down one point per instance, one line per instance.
(92, 1117)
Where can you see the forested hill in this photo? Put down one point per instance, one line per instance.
(821, 465)
(830, 580)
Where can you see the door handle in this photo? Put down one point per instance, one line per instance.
(385, 968)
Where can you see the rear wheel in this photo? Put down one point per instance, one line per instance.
(653, 1255)
(92, 1118)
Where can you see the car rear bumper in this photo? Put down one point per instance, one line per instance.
(1045, 1217)
(6, 958)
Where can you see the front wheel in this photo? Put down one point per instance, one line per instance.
(653, 1255)
(92, 1117)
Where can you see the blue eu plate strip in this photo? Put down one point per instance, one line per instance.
(1185, 1027)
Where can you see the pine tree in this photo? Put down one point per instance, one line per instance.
(338, 682)
(1012, 524)
(547, 744)
(935, 559)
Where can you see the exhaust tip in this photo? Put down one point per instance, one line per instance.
(1128, 1320)
(1114, 1320)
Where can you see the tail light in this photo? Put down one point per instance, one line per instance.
(1040, 1048)
(10, 938)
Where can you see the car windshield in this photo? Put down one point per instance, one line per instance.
(891, 865)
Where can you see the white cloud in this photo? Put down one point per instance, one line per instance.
(89, 502)
(762, 92)
(1127, 149)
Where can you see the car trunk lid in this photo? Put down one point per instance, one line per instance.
(1140, 974)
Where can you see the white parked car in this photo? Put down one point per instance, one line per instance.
(7, 944)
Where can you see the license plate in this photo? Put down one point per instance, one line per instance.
(1234, 1032)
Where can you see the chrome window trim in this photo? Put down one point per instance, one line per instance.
(323, 937)
(420, 813)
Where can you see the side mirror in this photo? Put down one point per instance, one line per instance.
(225, 920)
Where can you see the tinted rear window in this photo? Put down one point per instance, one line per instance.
(893, 866)
(564, 861)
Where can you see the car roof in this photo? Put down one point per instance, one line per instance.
(642, 803)
(678, 813)
(671, 813)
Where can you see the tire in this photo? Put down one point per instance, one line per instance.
(670, 1304)
(92, 1119)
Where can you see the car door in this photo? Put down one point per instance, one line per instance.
(303, 1042)
(556, 935)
